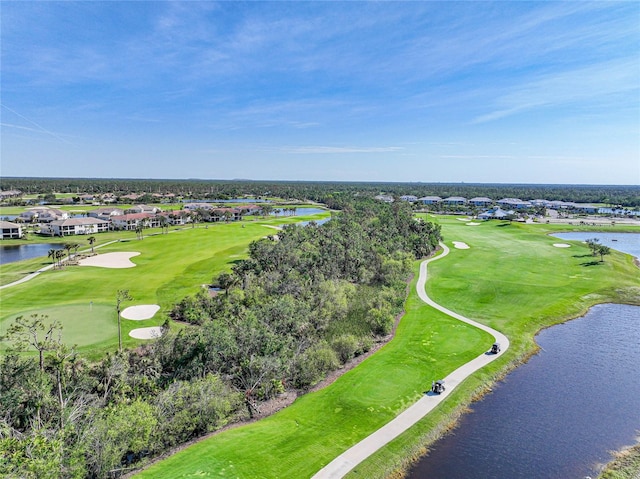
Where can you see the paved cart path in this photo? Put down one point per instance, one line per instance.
(349, 459)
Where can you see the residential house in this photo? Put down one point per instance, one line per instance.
(385, 198)
(10, 230)
(226, 214)
(455, 201)
(43, 215)
(481, 201)
(430, 200)
(75, 226)
(105, 213)
(409, 198)
(144, 209)
(10, 194)
(132, 220)
(515, 203)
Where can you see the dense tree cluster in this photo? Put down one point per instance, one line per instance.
(306, 300)
(331, 193)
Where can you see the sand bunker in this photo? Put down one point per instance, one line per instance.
(472, 224)
(140, 312)
(146, 333)
(110, 260)
(562, 245)
(460, 245)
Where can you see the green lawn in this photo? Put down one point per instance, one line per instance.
(511, 278)
(169, 267)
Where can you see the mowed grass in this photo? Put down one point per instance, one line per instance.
(511, 278)
(297, 441)
(169, 267)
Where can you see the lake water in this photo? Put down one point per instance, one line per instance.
(12, 253)
(305, 210)
(559, 415)
(625, 242)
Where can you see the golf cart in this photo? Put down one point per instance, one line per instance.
(495, 349)
(438, 386)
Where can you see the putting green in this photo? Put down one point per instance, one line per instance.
(82, 324)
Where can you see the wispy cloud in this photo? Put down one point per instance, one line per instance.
(591, 86)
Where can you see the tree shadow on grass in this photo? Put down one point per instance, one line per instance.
(583, 255)
(592, 263)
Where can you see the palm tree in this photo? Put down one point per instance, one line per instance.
(91, 240)
(68, 247)
(164, 223)
(121, 296)
(52, 255)
(59, 255)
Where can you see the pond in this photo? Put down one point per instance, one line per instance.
(301, 211)
(625, 242)
(12, 253)
(560, 414)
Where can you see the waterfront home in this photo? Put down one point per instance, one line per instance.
(75, 226)
(10, 230)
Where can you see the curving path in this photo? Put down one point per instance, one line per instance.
(349, 459)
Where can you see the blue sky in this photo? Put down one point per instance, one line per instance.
(504, 92)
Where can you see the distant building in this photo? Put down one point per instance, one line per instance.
(409, 198)
(430, 200)
(385, 198)
(481, 201)
(10, 230)
(455, 201)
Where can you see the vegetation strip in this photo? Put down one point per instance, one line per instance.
(356, 454)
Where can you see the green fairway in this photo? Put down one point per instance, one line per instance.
(511, 278)
(168, 268)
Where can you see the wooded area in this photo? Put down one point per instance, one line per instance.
(331, 193)
(306, 300)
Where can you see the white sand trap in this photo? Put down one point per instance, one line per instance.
(110, 260)
(472, 224)
(146, 333)
(273, 227)
(140, 312)
(463, 219)
(562, 245)
(460, 245)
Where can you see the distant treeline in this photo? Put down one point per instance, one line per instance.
(332, 193)
(302, 304)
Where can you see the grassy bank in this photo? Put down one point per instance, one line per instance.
(511, 278)
(625, 465)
